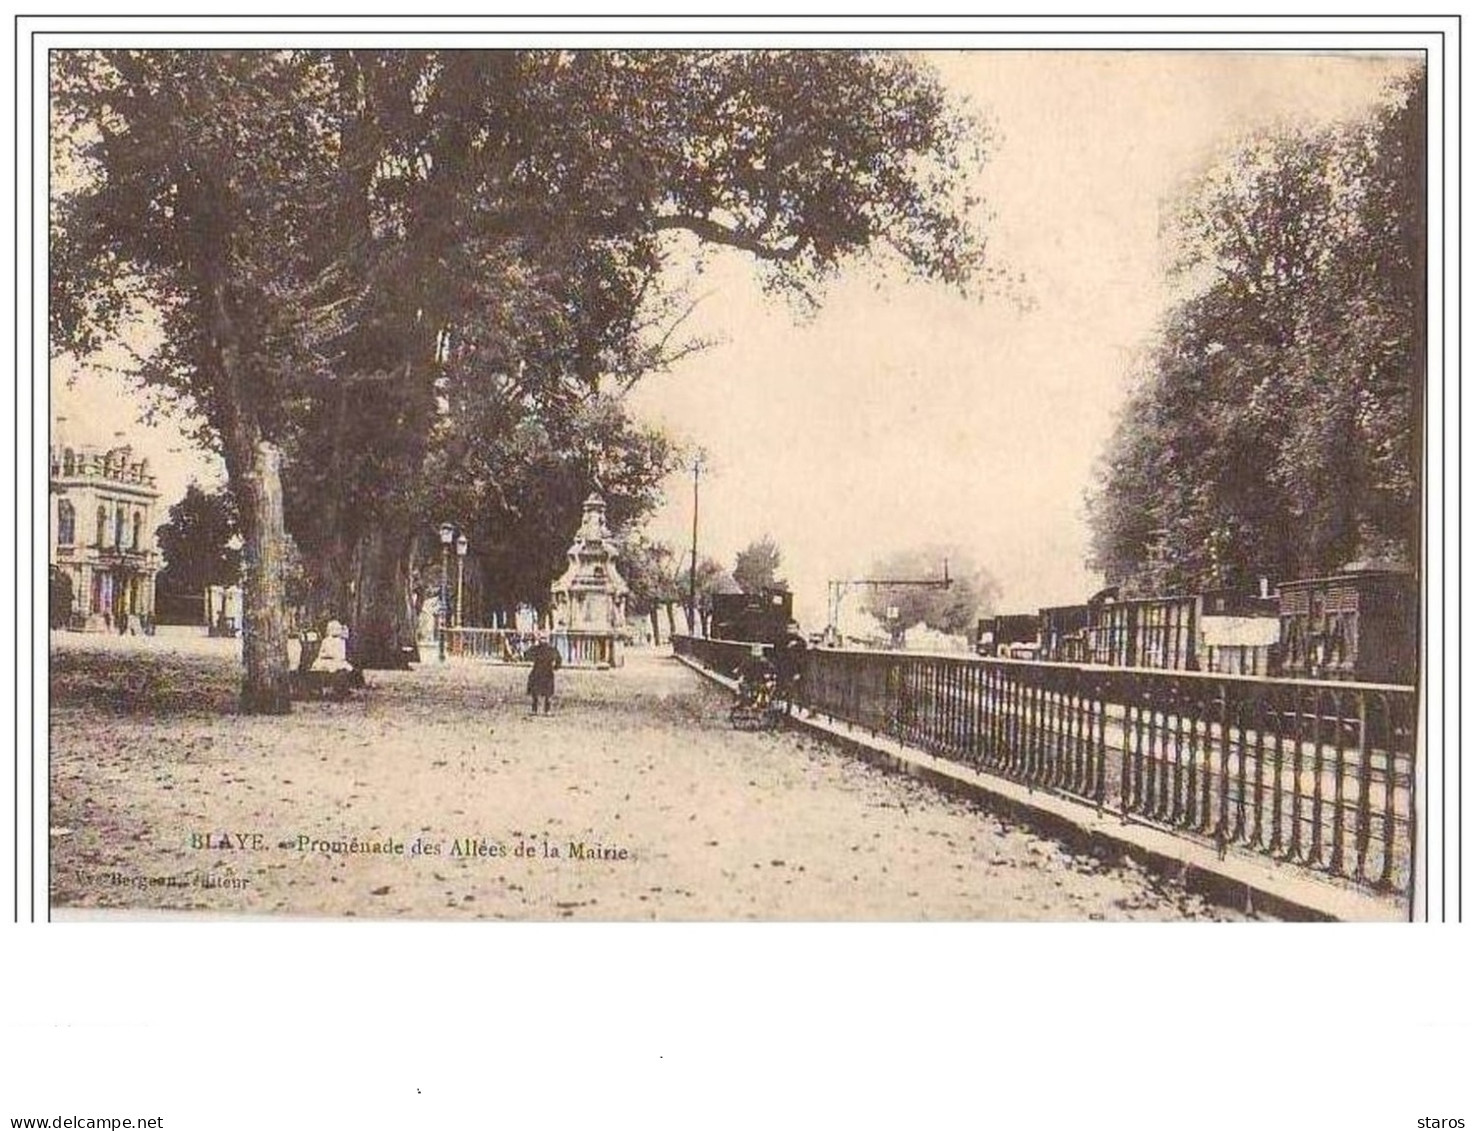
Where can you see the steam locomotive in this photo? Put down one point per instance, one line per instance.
(758, 618)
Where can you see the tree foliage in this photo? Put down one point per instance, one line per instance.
(660, 577)
(1276, 427)
(756, 566)
(972, 593)
(524, 487)
(406, 287)
(650, 569)
(194, 187)
(200, 542)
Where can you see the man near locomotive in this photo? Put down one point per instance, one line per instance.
(791, 666)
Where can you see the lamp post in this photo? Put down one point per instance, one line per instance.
(448, 532)
(461, 545)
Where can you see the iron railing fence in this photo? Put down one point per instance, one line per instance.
(1319, 774)
(507, 645)
(725, 656)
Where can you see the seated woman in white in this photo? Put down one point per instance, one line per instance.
(333, 655)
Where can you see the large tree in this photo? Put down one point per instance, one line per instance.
(188, 186)
(517, 489)
(1276, 427)
(544, 237)
(354, 253)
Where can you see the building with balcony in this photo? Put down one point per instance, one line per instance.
(102, 520)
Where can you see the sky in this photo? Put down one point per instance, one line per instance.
(902, 415)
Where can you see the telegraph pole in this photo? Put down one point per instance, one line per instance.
(692, 572)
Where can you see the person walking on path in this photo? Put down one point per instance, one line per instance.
(546, 660)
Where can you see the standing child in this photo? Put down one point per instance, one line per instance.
(546, 660)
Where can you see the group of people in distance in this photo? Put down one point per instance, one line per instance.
(325, 664)
(783, 676)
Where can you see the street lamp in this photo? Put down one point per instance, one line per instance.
(448, 532)
(461, 545)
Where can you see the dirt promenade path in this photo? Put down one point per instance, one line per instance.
(435, 795)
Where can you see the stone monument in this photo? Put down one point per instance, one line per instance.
(589, 599)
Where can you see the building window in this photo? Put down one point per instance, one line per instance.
(102, 527)
(138, 522)
(69, 462)
(120, 523)
(66, 523)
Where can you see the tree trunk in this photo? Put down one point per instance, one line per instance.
(254, 469)
(265, 686)
(381, 619)
(655, 625)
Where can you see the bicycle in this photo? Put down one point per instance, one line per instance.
(756, 705)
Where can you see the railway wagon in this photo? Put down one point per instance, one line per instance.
(1239, 633)
(1063, 633)
(1218, 630)
(1362, 624)
(1007, 634)
(759, 618)
(1145, 632)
